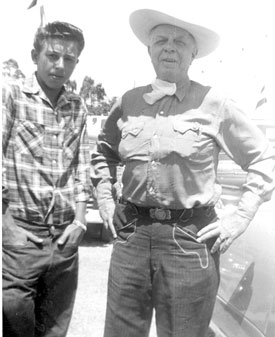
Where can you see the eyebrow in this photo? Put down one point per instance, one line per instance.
(179, 37)
(159, 37)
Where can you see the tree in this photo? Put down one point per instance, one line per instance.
(104, 107)
(90, 92)
(94, 96)
(71, 86)
(10, 69)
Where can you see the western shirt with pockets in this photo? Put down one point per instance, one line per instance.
(46, 153)
(170, 150)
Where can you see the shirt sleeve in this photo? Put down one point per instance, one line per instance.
(106, 157)
(7, 123)
(83, 185)
(245, 143)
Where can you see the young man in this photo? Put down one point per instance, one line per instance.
(168, 136)
(46, 187)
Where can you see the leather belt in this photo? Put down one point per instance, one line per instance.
(162, 214)
(43, 230)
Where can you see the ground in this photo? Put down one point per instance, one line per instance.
(89, 311)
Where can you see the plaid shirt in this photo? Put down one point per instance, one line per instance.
(46, 153)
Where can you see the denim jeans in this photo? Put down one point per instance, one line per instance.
(39, 286)
(160, 265)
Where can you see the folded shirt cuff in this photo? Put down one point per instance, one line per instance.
(249, 204)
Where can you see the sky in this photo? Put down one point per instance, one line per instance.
(113, 56)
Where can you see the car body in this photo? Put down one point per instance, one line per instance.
(95, 228)
(245, 305)
(95, 124)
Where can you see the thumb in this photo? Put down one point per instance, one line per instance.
(63, 238)
(34, 238)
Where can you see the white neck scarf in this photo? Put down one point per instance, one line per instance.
(160, 89)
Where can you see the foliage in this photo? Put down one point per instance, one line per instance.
(94, 95)
(71, 86)
(10, 69)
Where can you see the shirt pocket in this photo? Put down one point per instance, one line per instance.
(132, 142)
(186, 138)
(132, 129)
(29, 139)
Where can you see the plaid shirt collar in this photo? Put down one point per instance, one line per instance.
(31, 86)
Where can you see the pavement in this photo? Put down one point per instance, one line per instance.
(90, 304)
(89, 310)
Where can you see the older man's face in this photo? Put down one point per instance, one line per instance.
(172, 50)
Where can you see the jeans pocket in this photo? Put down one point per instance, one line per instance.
(14, 238)
(186, 241)
(124, 233)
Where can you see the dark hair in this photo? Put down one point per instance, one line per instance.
(60, 30)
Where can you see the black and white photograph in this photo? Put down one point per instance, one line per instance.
(138, 168)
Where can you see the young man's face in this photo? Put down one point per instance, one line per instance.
(55, 62)
(172, 51)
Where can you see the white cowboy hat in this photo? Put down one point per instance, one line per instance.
(143, 21)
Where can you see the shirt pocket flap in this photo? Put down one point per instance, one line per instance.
(29, 138)
(132, 129)
(183, 126)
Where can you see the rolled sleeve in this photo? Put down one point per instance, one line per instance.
(245, 143)
(106, 158)
(83, 186)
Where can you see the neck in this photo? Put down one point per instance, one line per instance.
(183, 83)
(180, 81)
(52, 94)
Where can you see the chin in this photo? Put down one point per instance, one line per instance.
(171, 79)
(169, 76)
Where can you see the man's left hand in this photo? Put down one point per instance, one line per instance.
(73, 234)
(226, 229)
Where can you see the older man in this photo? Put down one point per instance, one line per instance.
(167, 235)
(47, 177)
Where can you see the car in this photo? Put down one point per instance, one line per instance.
(95, 124)
(95, 228)
(245, 304)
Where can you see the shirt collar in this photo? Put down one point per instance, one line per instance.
(182, 89)
(31, 86)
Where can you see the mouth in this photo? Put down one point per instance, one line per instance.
(56, 77)
(169, 60)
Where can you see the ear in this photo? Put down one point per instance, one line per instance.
(195, 52)
(149, 51)
(34, 55)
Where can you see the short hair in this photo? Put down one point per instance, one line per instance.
(58, 30)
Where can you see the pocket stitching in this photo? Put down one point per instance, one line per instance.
(121, 241)
(192, 252)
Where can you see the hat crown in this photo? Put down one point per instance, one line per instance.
(142, 22)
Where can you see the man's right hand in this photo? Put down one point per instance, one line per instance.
(13, 234)
(106, 212)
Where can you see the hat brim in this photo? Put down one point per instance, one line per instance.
(143, 21)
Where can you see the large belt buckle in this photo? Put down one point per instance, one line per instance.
(160, 214)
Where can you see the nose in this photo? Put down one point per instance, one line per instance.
(59, 63)
(169, 47)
